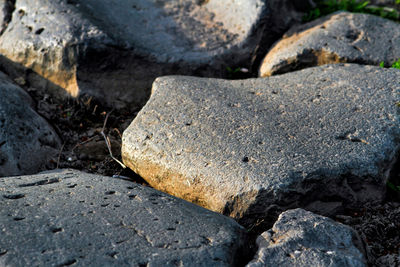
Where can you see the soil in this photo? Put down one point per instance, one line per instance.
(80, 123)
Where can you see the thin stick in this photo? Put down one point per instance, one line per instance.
(59, 155)
(84, 142)
(108, 143)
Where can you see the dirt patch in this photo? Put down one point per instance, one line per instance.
(80, 123)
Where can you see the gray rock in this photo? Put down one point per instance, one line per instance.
(341, 37)
(115, 49)
(301, 238)
(327, 134)
(6, 8)
(388, 260)
(67, 217)
(27, 141)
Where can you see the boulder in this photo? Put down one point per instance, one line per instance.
(301, 238)
(27, 142)
(67, 217)
(115, 49)
(341, 37)
(326, 134)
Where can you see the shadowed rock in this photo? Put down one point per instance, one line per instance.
(27, 141)
(66, 217)
(341, 37)
(301, 238)
(327, 134)
(115, 49)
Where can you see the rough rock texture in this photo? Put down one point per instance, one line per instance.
(301, 238)
(27, 141)
(66, 217)
(341, 37)
(117, 48)
(328, 134)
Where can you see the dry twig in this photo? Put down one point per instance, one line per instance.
(59, 155)
(108, 143)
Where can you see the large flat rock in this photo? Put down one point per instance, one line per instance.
(27, 142)
(301, 238)
(115, 49)
(66, 217)
(328, 134)
(341, 37)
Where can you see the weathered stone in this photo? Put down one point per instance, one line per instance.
(389, 260)
(341, 37)
(115, 49)
(27, 141)
(301, 238)
(67, 217)
(327, 134)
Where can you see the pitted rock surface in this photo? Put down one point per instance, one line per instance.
(66, 217)
(27, 142)
(301, 238)
(341, 37)
(115, 49)
(327, 134)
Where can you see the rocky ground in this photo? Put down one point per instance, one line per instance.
(91, 128)
(80, 122)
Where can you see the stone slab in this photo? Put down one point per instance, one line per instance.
(27, 142)
(115, 49)
(328, 134)
(341, 37)
(301, 238)
(67, 217)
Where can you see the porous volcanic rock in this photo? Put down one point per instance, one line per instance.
(115, 49)
(66, 217)
(301, 238)
(341, 37)
(27, 141)
(328, 134)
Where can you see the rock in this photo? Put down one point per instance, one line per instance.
(116, 49)
(389, 260)
(341, 37)
(301, 238)
(68, 217)
(244, 147)
(27, 141)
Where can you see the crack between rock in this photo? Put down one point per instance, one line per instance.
(9, 7)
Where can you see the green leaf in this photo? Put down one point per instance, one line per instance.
(396, 64)
(393, 187)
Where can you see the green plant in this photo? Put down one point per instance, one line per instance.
(238, 73)
(384, 12)
(393, 186)
(325, 7)
(396, 64)
(397, 2)
(232, 71)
